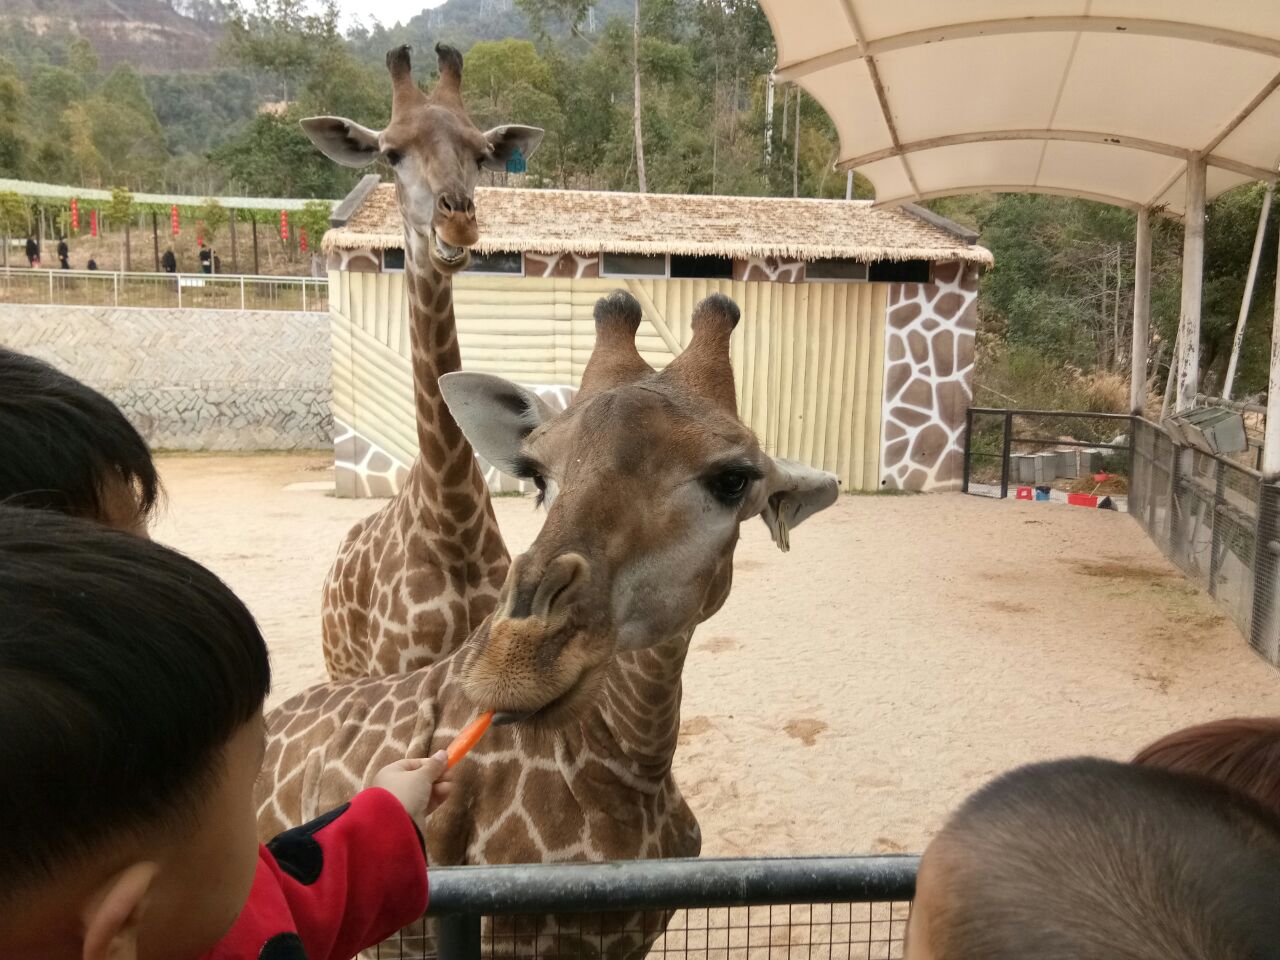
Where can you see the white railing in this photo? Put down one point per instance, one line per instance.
(204, 291)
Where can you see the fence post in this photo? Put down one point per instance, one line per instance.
(50, 272)
(1006, 450)
(968, 447)
(242, 291)
(1175, 504)
(1133, 458)
(459, 937)
(1262, 634)
(1215, 552)
(115, 289)
(304, 294)
(177, 278)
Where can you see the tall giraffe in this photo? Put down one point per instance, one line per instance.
(412, 581)
(647, 477)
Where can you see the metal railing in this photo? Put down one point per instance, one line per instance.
(836, 908)
(205, 291)
(1215, 518)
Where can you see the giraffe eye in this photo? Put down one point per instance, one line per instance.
(730, 486)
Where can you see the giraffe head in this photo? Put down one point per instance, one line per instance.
(434, 149)
(647, 477)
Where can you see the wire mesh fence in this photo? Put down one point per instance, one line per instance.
(1214, 517)
(1216, 520)
(1048, 455)
(100, 288)
(796, 909)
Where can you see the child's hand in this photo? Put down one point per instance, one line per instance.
(420, 785)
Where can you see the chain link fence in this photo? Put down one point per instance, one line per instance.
(822, 908)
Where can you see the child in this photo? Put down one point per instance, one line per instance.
(1088, 859)
(131, 690)
(69, 448)
(1242, 752)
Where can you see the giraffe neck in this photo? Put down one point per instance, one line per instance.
(433, 343)
(638, 718)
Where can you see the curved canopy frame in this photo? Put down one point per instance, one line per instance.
(1091, 83)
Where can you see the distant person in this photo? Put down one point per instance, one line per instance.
(33, 252)
(92, 264)
(206, 259)
(168, 262)
(64, 254)
(1089, 859)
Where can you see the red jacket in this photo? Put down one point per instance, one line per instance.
(334, 886)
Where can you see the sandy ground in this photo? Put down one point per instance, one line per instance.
(851, 692)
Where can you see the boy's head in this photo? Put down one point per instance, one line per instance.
(1242, 752)
(131, 689)
(1089, 859)
(68, 448)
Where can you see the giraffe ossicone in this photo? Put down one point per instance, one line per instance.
(412, 581)
(647, 478)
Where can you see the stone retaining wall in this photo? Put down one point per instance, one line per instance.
(193, 379)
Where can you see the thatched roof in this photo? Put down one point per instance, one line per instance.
(586, 222)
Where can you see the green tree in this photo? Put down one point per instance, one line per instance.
(121, 210)
(213, 216)
(15, 218)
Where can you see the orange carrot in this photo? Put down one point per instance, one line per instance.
(469, 737)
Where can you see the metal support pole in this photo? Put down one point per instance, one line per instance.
(1192, 286)
(115, 289)
(968, 448)
(304, 294)
(235, 258)
(1246, 301)
(1005, 451)
(155, 238)
(1141, 315)
(459, 937)
(50, 272)
(1215, 550)
(177, 278)
(241, 291)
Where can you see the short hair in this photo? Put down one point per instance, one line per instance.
(64, 442)
(125, 668)
(1089, 859)
(1242, 752)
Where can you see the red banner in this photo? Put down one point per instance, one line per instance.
(284, 224)
(93, 223)
(75, 214)
(302, 239)
(173, 218)
(199, 240)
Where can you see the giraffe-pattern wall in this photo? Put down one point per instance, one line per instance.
(769, 270)
(928, 379)
(575, 266)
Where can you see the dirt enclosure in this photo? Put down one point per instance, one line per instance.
(852, 691)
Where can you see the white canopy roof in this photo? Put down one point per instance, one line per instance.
(1103, 99)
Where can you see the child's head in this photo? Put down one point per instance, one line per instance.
(131, 689)
(68, 448)
(1088, 859)
(1242, 752)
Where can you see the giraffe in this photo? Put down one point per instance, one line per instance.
(647, 478)
(414, 579)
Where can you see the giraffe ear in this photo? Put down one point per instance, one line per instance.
(343, 141)
(795, 492)
(494, 414)
(505, 140)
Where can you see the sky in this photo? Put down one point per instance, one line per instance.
(385, 11)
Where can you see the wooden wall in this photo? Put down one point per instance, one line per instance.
(809, 358)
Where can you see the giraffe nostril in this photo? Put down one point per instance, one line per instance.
(445, 205)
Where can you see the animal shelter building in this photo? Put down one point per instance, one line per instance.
(854, 353)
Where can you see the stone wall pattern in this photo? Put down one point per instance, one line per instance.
(928, 379)
(224, 380)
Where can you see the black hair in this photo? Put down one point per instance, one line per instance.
(1088, 859)
(125, 669)
(65, 442)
